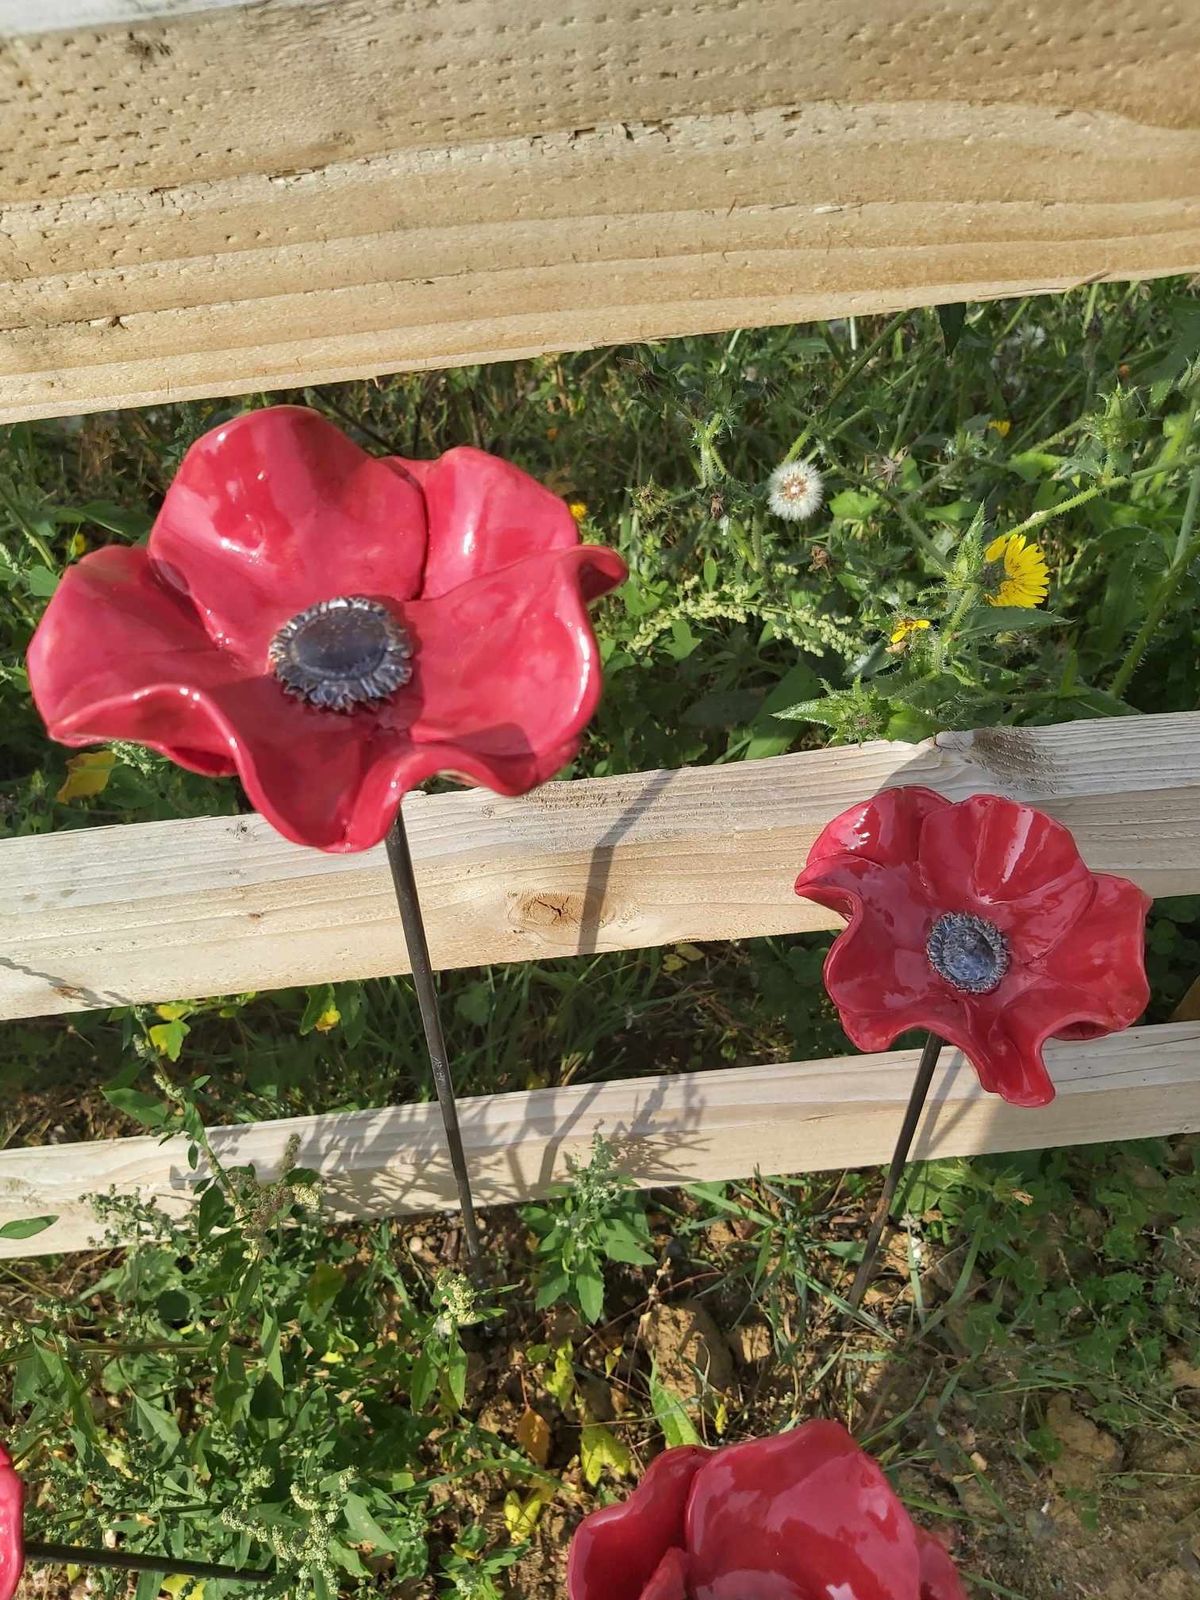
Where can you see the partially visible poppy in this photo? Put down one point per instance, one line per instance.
(979, 922)
(12, 1527)
(334, 628)
(792, 1517)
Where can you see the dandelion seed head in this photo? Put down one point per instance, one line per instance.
(795, 491)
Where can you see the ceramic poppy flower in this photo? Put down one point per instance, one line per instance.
(800, 1515)
(333, 627)
(980, 922)
(12, 1527)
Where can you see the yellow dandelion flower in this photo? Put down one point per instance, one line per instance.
(578, 509)
(906, 625)
(1026, 580)
(1002, 426)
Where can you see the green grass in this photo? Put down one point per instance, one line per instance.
(254, 1385)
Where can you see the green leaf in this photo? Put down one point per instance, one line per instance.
(989, 620)
(953, 319)
(670, 1415)
(154, 1422)
(148, 1585)
(167, 1038)
(854, 504)
(621, 1243)
(40, 581)
(589, 1286)
(723, 708)
(229, 1385)
(320, 1000)
(423, 1381)
(554, 1286)
(561, 1381)
(323, 1287)
(347, 1559)
(26, 1227)
(362, 1525)
(456, 1375)
(174, 1306)
(147, 1109)
(601, 1450)
(266, 1403)
(212, 1208)
(132, 523)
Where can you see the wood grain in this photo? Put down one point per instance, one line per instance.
(164, 910)
(23, 17)
(472, 180)
(805, 1117)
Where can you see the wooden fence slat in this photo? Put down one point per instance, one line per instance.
(19, 18)
(805, 1117)
(167, 910)
(477, 180)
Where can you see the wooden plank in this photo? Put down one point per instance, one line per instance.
(473, 180)
(22, 17)
(807, 1117)
(166, 910)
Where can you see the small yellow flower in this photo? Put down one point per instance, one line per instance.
(578, 509)
(1026, 580)
(1002, 426)
(906, 625)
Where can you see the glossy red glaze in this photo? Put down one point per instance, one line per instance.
(896, 863)
(799, 1516)
(276, 511)
(12, 1527)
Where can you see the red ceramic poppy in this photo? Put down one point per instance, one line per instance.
(334, 628)
(800, 1515)
(979, 922)
(12, 1527)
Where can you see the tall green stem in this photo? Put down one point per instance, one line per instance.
(1187, 548)
(847, 378)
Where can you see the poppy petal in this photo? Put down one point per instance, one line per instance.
(1009, 863)
(886, 829)
(939, 1580)
(277, 510)
(120, 655)
(615, 1553)
(483, 513)
(1086, 986)
(12, 1527)
(1004, 1041)
(805, 1513)
(669, 1581)
(877, 972)
(506, 667)
(1104, 961)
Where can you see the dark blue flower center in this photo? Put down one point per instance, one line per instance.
(341, 653)
(969, 952)
(342, 643)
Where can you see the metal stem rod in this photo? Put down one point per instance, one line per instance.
(39, 1550)
(908, 1128)
(400, 861)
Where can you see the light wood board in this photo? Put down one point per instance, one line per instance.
(806, 1117)
(22, 17)
(251, 197)
(168, 910)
